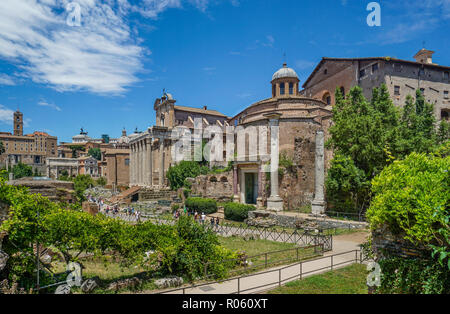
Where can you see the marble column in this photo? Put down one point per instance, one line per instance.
(161, 162)
(133, 165)
(259, 200)
(143, 162)
(141, 166)
(235, 185)
(130, 168)
(274, 202)
(318, 204)
(149, 162)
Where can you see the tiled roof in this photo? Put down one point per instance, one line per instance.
(201, 111)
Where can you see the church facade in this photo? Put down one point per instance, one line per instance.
(298, 121)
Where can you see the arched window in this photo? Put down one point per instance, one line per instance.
(281, 88)
(291, 88)
(273, 90)
(327, 98)
(342, 91)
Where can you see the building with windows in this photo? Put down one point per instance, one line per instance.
(402, 78)
(31, 149)
(117, 171)
(300, 121)
(151, 151)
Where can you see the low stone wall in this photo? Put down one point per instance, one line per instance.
(385, 243)
(150, 195)
(91, 208)
(62, 191)
(215, 186)
(296, 221)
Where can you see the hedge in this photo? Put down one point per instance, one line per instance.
(237, 212)
(201, 205)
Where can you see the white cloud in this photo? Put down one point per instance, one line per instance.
(6, 115)
(6, 80)
(100, 56)
(44, 103)
(103, 55)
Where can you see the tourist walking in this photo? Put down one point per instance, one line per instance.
(203, 218)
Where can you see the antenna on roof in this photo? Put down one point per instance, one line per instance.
(284, 58)
(423, 44)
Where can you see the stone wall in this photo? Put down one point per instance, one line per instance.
(91, 208)
(57, 191)
(294, 221)
(149, 195)
(385, 243)
(215, 186)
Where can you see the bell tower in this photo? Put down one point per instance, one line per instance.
(18, 123)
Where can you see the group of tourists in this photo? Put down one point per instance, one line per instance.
(114, 209)
(200, 218)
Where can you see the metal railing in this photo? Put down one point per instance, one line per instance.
(264, 260)
(360, 217)
(357, 258)
(299, 237)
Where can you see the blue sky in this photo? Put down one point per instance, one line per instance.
(106, 73)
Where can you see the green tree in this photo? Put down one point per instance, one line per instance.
(417, 128)
(22, 170)
(2, 148)
(347, 186)
(96, 153)
(444, 131)
(412, 198)
(372, 135)
(101, 181)
(178, 174)
(75, 149)
(81, 183)
(362, 129)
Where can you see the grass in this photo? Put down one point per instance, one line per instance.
(280, 253)
(109, 270)
(348, 280)
(253, 247)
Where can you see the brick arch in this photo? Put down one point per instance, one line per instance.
(325, 96)
(213, 179)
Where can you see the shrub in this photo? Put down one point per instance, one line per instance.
(237, 212)
(413, 276)
(201, 205)
(81, 183)
(411, 197)
(101, 181)
(178, 174)
(194, 248)
(22, 170)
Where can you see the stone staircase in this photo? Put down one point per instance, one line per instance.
(150, 195)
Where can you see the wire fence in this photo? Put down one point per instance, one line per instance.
(275, 277)
(247, 264)
(298, 236)
(361, 217)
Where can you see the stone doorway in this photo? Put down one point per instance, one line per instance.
(251, 188)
